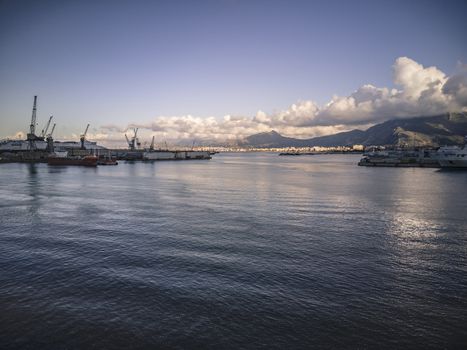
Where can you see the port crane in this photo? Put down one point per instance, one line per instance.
(50, 140)
(31, 136)
(82, 138)
(134, 143)
(128, 141)
(44, 131)
(51, 131)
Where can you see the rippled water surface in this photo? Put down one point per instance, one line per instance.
(247, 251)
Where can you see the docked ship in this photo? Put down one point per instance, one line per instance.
(161, 154)
(21, 145)
(290, 154)
(107, 160)
(176, 155)
(62, 158)
(424, 158)
(453, 156)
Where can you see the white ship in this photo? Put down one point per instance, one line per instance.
(72, 145)
(21, 145)
(453, 156)
(425, 158)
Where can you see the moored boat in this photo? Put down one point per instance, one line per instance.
(424, 158)
(453, 156)
(73, 160)
(107, 161)
(290, 154)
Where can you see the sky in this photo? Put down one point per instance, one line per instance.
(224, 69)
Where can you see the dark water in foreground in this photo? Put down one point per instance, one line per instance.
(243, 251)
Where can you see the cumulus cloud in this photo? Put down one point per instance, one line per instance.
(420, 91)
(415, 79)
(423, 92)
(456, 87)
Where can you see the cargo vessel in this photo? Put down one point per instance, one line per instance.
(73, 160)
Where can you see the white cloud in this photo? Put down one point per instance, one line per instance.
(415, 79)
(456, 87)
(422, 91)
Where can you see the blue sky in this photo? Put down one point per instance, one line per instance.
(123, 62)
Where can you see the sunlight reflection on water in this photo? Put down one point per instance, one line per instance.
(243, 251)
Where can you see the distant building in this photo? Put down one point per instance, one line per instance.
(358, 148)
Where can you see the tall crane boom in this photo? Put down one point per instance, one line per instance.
(85, 131)
(44, 131)
(52, 131)
(83, 137)
(136, 142)
(32, 127)
(50, 140)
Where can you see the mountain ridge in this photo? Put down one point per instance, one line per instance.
(420, 131)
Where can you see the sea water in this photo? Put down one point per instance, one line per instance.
(244, 251)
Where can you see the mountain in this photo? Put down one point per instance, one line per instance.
(421, 131)
(272, 139)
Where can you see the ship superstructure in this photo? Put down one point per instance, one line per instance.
(453, 156)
